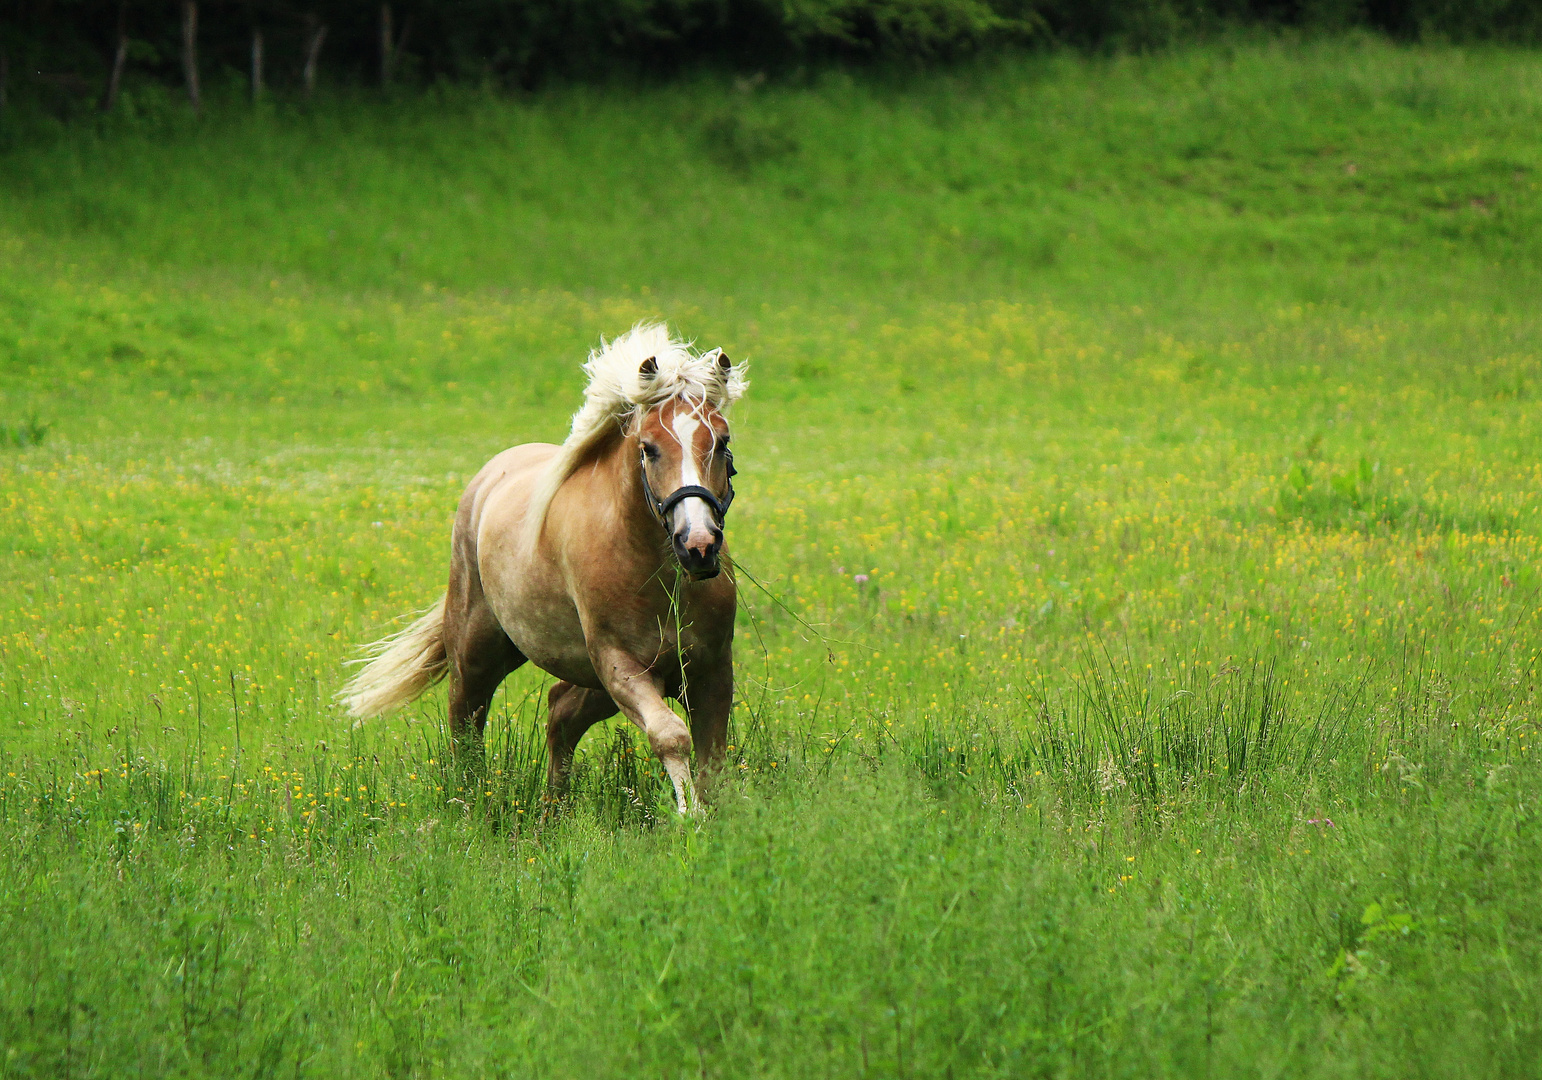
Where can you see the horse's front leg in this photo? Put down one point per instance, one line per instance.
(709, 698)
(640, 696)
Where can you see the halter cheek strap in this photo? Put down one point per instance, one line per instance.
(661, 507)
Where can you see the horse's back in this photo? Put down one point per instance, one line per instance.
(522, 588)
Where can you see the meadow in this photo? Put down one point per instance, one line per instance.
(1137, 535)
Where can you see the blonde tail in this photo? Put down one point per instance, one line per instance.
(398, 668)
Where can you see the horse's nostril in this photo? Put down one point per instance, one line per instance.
(697, 546)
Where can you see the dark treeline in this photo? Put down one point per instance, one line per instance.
(81, 51)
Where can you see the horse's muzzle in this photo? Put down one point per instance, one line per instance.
(698, 555)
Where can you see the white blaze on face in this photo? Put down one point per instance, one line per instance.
(694, 516)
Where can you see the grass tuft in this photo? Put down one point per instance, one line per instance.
(25, 433)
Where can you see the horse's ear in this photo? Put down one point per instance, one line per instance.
(650, 367)
(724, 365)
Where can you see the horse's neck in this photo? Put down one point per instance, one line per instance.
(617, 476)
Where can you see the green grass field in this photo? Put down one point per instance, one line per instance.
(1178, 411)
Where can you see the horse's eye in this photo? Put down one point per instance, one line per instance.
(650, 451)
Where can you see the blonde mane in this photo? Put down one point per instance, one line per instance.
(617, 393)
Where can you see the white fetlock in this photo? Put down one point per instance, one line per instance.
(686, 804)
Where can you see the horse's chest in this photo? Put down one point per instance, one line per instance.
(647, 632)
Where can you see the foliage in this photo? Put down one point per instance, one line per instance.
(28, 432)
(1066, 742)
(68, 46)
(1336, 497)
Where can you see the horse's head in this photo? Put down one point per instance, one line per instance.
(686, 471)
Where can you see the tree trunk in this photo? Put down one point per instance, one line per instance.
(391, 44)
(190, 52)
(257, 81)
(315, 34)
(119, 58)
(387, 39)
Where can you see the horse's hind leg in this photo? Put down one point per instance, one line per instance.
(477, 667)
(572, 711)
(480, 656)
(475, 675)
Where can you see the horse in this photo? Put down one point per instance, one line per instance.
(600, 562)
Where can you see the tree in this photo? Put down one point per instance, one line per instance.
(190, 53)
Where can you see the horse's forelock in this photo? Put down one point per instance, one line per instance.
(699, 406)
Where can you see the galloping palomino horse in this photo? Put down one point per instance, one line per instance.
(598, 562)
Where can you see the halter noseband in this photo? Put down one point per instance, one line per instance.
(660, 508)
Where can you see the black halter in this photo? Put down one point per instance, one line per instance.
(661, 507)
